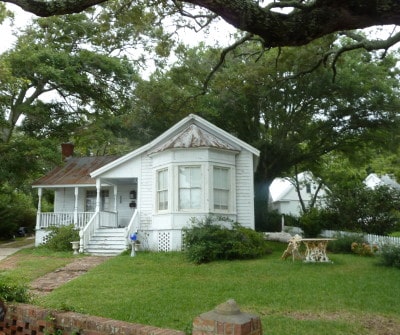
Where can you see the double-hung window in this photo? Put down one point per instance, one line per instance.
(190, 189)
(162, 189)
(221, 185)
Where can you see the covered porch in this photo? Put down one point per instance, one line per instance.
(114, 200)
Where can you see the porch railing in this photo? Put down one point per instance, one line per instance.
(57, 219)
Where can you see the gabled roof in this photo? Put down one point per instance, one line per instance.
(183, 132)
(373, 180)
(75, 171)
(280, 187)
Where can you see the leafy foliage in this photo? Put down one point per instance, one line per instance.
(208, 241)
(16, 210)
(14, 292)
(60, 238)
(312, 222)
(390, 256)
(358, 208)
(364, 249)
(343, 243)
(293, 120)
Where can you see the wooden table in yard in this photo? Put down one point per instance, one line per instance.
(316, 249)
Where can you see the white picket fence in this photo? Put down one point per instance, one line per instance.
(370, 238)
(382, 240)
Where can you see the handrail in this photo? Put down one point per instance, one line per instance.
(132, 227)
(87, 232)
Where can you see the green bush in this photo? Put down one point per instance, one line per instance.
(207, 240)
(390, 255)
(273, 222)
(16, 210)
(13, 292)
(311, 223)
(343, 243)
(60, 238)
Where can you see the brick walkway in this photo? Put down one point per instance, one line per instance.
(50, 281)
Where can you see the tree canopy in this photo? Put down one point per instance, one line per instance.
(278, 23)
(295, 121)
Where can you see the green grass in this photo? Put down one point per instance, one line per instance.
(18, 242)
(32, 263)
(351, 296)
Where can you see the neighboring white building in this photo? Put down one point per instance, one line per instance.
(373, 180)
(194, 169)
(284, 197)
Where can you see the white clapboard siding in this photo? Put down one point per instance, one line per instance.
(146, 189)
(244, 189)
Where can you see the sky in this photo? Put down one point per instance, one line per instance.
(6, 30)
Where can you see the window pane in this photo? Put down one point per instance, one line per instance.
(195, 177)
(91, 201)
(162, 189)
(221, 188)
(190, 187)
(184, 198)
(184, 177)
(195, 198)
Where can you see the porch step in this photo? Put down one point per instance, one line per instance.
(107, 242)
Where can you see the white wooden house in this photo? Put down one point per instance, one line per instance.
(373, 180)
(284, 198)
(194, 169)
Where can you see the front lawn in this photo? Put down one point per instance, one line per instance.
(353, 295)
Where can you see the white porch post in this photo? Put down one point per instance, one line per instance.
(98, 187)
(115, 197)
(39, 210)
(76, 207)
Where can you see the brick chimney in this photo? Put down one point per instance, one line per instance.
(67, 150)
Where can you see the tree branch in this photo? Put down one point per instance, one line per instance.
(47, 8)
(221, 61)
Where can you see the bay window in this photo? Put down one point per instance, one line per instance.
(190, 189)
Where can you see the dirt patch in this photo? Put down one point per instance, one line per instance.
(372, 324)
(11, 262)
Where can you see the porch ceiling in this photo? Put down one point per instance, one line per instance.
(119, 181)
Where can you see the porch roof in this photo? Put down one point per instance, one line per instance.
(75, 171)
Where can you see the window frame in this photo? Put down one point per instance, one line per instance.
(164, 190)
(227, 189)
(199, 187)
